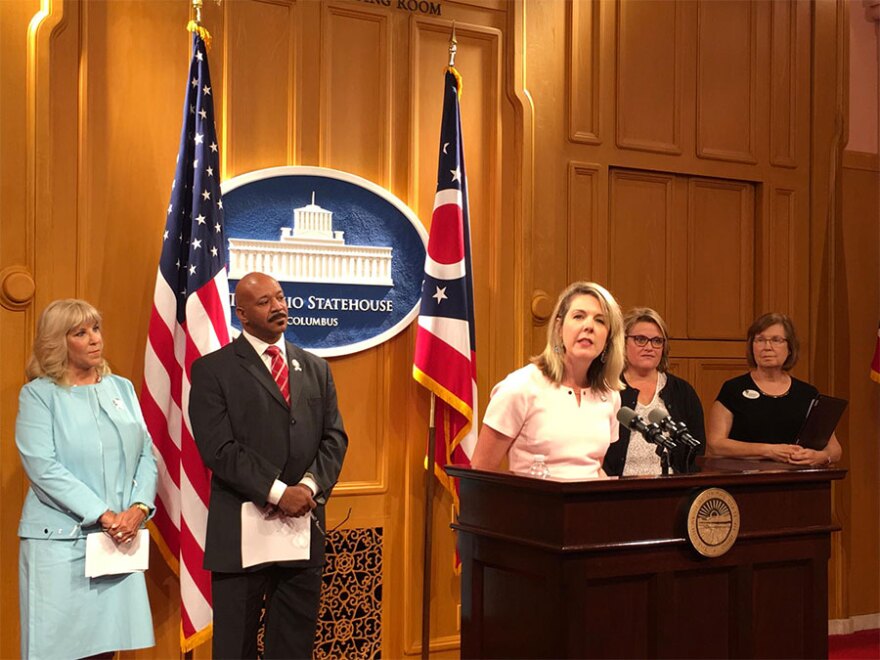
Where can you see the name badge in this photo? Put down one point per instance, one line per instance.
(751, 394)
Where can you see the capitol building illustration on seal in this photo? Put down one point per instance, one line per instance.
(311, 251)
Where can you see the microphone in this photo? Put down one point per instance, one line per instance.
(652, 432)
(677, 430)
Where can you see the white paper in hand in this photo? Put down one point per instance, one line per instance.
(104, 557)
(269, 536)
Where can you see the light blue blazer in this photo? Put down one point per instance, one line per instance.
(61, 453)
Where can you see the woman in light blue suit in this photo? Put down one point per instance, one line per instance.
(89, 459)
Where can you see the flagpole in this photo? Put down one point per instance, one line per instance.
(197, 8)
(428, 532)
(429, 480)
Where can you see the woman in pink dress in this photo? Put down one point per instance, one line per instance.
(562, 405)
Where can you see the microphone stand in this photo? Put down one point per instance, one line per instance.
(663, 453)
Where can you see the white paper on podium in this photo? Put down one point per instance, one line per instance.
(269, 536)
(104, 557)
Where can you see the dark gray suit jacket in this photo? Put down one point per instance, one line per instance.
(248, 437)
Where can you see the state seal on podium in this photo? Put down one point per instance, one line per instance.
(713, 522)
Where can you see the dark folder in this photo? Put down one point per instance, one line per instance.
(824, 414)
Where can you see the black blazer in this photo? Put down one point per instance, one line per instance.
(683, 405)
(249, 438)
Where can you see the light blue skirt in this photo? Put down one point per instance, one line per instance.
(64, 614)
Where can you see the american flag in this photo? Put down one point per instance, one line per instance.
(445, 356)
(190, 317)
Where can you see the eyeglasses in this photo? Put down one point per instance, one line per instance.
(641, 340)
(776, 341)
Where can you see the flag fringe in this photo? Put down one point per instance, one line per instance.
(192, 26)
(875, 376)
(450, 399)
(187, 644)
(172, 561)
(446, 483)
(458, 79)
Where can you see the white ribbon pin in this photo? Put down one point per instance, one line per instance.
(295, 365)
(118, 404)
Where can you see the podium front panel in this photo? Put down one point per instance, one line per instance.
(604, 569)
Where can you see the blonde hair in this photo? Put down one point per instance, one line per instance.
(604, 372)
(648, 315)
(49, 355)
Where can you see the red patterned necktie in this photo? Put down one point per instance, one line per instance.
(279, 371)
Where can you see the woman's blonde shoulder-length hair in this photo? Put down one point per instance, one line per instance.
(604, 372)
(49, 355)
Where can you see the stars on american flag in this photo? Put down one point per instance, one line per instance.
(196, 209)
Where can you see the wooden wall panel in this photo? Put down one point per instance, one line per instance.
(258, 85)
(17, 251)
(583, 86)
(720, 258)
(710, 373)
(364, 468)
(778, 254)
(583, 220)
(858, 257)
(128, 143)
(682, 368)
(726, 80)
(648, 76)
(783, 83)
(356, 94)
(640, 219)
(548, 146)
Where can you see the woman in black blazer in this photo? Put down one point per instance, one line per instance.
(649, 386)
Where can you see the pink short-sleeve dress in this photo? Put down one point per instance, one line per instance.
(545, 418)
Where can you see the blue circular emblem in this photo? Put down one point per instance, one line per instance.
(349, 255)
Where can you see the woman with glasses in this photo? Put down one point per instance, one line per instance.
(563, 405)
(649, 387)
(759, 414)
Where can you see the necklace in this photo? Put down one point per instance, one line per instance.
(94, 380)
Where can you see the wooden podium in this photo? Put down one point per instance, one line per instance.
(604, 568)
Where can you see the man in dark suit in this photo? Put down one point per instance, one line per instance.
(265, 420)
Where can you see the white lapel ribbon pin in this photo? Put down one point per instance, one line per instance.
(295, 365)
(118, 403)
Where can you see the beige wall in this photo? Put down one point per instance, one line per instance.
(673, 151)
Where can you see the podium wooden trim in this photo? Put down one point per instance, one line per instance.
(604, 568)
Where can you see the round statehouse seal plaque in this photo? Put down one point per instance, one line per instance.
(713, 522)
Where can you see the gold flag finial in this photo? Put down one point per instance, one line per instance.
(453, 46)
(195, 25)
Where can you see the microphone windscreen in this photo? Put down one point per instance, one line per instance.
(656, 416)
(626, 416)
